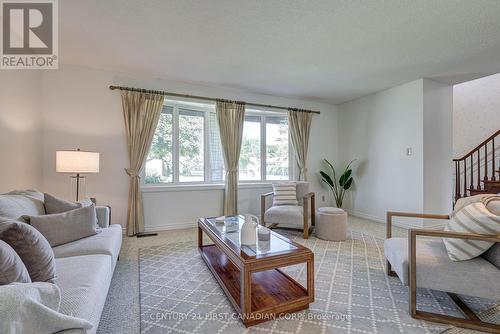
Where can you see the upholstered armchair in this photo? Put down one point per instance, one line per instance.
(421, 260)
(296, 217)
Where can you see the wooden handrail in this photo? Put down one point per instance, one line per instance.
(478, 147)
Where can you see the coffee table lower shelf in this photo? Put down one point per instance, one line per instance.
(272, 292)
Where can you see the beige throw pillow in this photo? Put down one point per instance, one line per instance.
(285, 193)
(473, 218)
(61, 228)
(33, 249)
(492, 203)
(12, 268)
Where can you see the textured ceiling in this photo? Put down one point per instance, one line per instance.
(330, 51)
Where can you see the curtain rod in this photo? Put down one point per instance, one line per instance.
(206, 98)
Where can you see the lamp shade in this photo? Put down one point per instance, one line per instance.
(77, 162)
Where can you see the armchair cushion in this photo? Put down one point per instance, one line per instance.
(436, 271)
(290, 215)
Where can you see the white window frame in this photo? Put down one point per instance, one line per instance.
(207, 183)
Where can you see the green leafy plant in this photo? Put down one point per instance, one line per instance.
(340, 186)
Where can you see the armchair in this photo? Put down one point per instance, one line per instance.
(433, 269)
(301, 217)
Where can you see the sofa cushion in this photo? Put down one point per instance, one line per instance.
(107, 242)
(61, 228)
(21, 202)
(84, 282)
(33, 249)
(12, 268)
(475, 277)
(287, 215)
(493, 255)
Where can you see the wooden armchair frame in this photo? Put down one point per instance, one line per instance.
(472, 321)
(309, 198)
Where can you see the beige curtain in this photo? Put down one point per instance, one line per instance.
(141, 112)
(230, 118)
(299, 123)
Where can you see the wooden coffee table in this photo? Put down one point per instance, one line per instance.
(250, 275)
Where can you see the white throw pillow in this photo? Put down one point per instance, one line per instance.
(285, 193)
(492, 203)
(473, 218)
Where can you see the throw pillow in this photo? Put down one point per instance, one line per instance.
(12, 268)
(473, 218)
(492, 203)
(58, 205)
(17, 203)
(33, 249)
(61, 228)
(285, 193)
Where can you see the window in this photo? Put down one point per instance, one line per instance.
(250, 154)
(265, 153)
(186, 146)
(277, 154)
(191, 138)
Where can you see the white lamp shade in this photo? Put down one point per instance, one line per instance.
(77, 162)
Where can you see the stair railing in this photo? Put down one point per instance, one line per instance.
(470, 179)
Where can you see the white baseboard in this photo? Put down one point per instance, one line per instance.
(395, 222)
(172, 226)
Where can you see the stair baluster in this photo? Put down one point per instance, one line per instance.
(471, 172)
(465, 177)
(493, 178)
(478, 170)
(486, 162)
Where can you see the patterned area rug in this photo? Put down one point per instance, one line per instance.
(178, 293)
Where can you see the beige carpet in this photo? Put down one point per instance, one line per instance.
(121, 313)
(353, 293)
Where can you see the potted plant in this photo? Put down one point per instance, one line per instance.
(340, 186)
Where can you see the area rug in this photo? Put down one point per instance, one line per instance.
(178, 293)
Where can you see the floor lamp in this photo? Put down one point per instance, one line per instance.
(77, 162)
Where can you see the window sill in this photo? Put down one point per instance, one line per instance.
(201, 187)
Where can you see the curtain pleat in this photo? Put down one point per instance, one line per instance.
(230, 118)
(141, 113)
(299, 127)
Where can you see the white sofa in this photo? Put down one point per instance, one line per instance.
(84, 267)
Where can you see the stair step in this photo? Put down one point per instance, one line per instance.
(477, 191)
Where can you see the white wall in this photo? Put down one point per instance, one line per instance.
(476, 112)
(378, 129)
(20, 130)
(80, 111)
(438, 147)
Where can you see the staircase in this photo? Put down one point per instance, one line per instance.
(478, 172)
